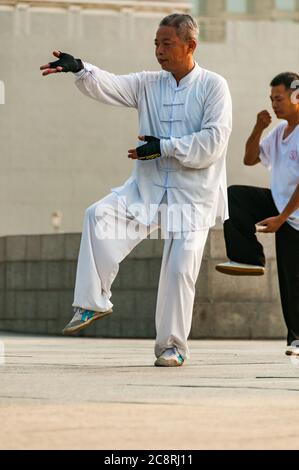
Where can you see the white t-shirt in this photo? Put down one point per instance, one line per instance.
(281, 157)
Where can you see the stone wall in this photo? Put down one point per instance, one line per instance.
(37, 275)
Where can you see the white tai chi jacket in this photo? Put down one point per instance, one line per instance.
(193, 121)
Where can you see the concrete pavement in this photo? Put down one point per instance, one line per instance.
(87, 393)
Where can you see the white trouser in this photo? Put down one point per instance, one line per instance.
(104, 246)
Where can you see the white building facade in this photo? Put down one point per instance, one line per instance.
(60, 151)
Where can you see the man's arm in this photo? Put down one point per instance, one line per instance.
(118, 90)
(252, 152)
(273, 224)
(108, 88)
(202, 149)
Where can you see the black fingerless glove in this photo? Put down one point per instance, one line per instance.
(68, 63)
(151, 150)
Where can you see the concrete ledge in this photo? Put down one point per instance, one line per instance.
(114, 5)
(37, 277)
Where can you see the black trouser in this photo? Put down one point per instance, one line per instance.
(247, 206)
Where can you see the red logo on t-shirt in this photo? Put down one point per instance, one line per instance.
(293, 155)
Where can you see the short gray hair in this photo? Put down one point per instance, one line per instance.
(186, 26)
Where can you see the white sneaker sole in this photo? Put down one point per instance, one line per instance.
(68, 331)
(161, 362)
(239, 271)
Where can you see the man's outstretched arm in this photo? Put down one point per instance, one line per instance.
(103, 86)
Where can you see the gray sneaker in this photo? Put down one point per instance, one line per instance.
(170, 358)
(240, 269)
(81, 319)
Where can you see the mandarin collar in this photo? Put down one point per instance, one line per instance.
(187, 80)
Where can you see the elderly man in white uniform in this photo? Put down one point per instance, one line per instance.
(184, 128)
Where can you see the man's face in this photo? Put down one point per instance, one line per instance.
(282, 102)
(172, 53)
